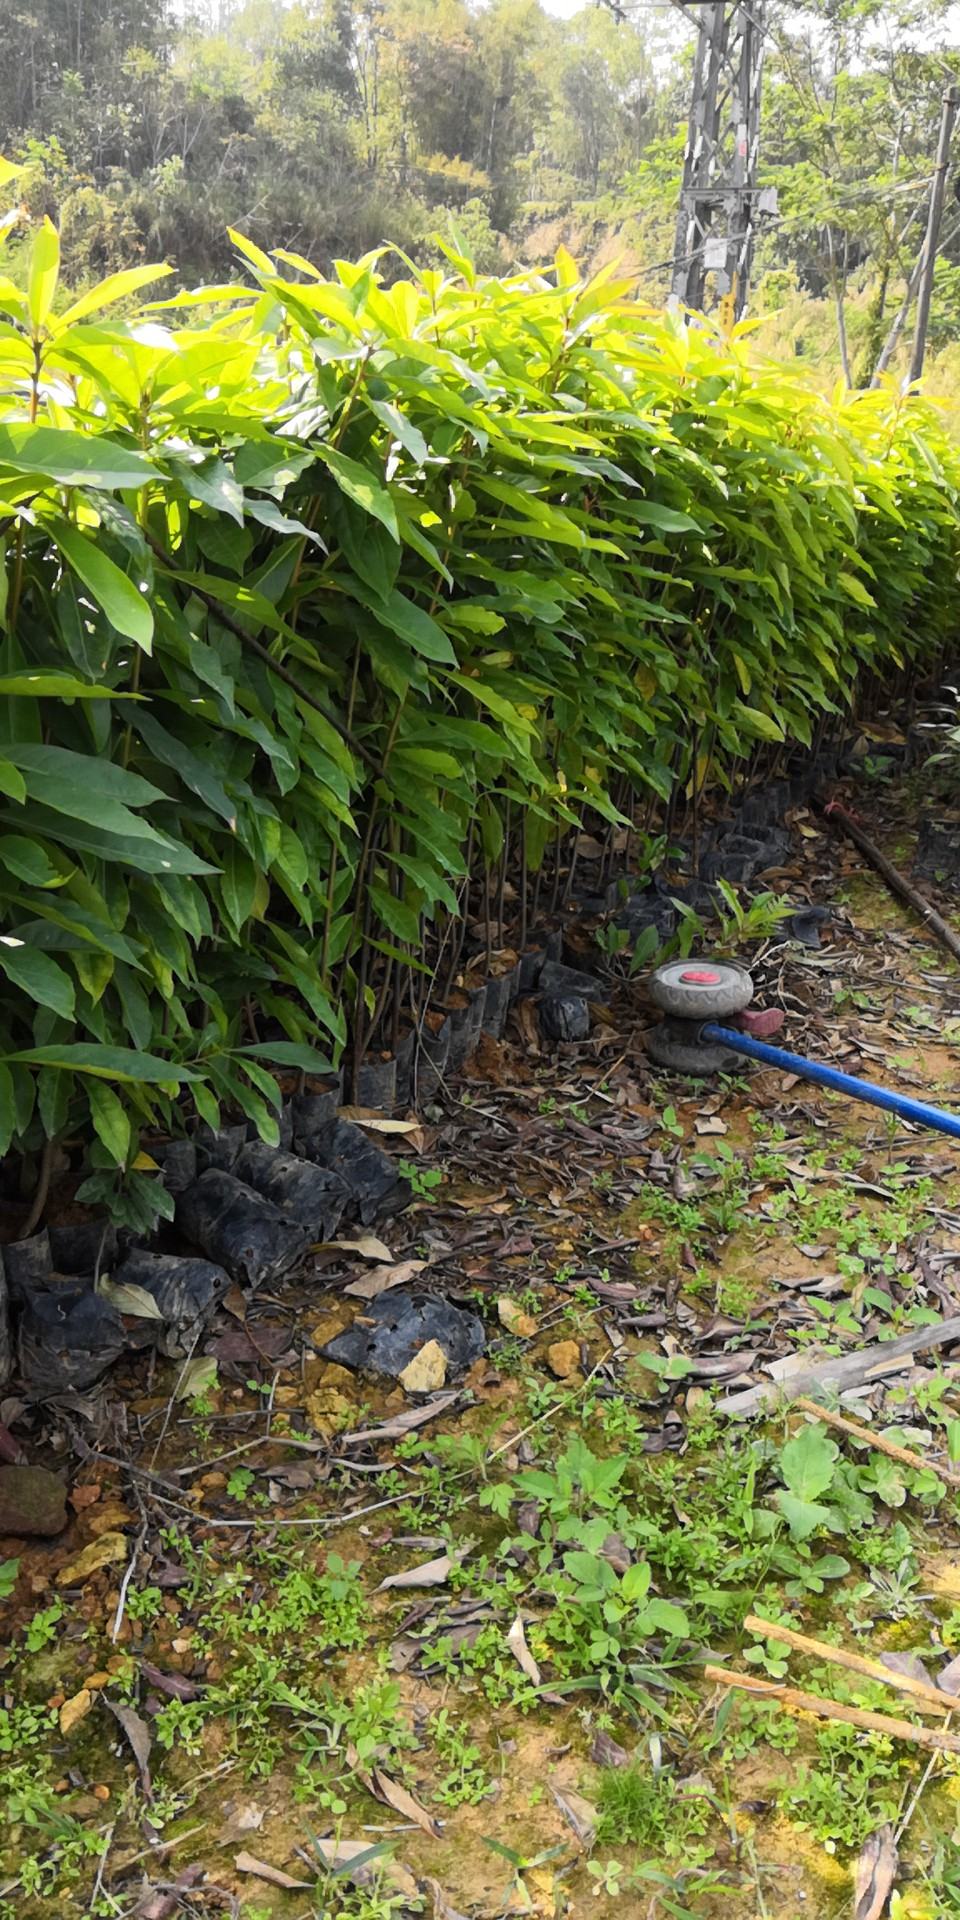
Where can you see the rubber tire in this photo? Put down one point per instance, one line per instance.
(681, 1051)
(693, 1002)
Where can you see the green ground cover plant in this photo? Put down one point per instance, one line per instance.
(329, 604)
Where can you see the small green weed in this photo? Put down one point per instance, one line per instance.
(422, 1180)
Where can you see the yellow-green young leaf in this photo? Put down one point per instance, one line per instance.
(44, 273)
(94, 972)
(252, 253)
(117, 286)
(855, 590)
(9, 170)
(124, 606)
(110, 1120)
(760, 725)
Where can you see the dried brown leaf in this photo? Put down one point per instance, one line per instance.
(341, 1855)
(139, 1739)
(402, 1802)
(517, 1642)
(876, 1874)
(578, 1813)
(248, 1863)
(367, 1246)
(380, 1279)
(433, 1573)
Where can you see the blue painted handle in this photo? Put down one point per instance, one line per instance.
(916, 1110)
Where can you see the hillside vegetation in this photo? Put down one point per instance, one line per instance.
(335, 126)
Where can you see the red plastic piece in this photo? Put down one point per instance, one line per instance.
(700, 977)
(761, 1022)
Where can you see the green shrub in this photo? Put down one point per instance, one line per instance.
(320, 593)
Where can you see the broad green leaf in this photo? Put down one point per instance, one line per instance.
(12, 782)
(44, 273)
(807, 1462)
(650, 513)
(42, 979)
(110, 1120)
(760, 726)
(664, 1616)
(362, 487)
(28, 861)
(72, 459)
(803, 1517)
(122, 602)
(57, 686)
(117, 286)
(590, 1571)
(110, 1063)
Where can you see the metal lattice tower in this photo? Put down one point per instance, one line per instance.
(719, 200)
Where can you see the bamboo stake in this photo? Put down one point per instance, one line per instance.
(793, 1701)
(877, 1441)
(932, 1698)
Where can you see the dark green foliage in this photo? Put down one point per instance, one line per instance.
(319, 591)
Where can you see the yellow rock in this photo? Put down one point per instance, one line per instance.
(105, 1552)
(327, 1329)
(75, 1710)
(109, 1519)
(426, 1371)
(514, 1319)
(945, 1581)
(564, 1359)
(329, 1411)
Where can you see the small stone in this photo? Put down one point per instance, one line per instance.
(105, 1552)
(513, 1318)
(75, 1710)
(33, 1502)
(563, 1359)
(427, 1371)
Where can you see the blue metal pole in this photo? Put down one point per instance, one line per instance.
(916, 1110)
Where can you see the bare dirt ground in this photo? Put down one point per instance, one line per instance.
(297, 1655)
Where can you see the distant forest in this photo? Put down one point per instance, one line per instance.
(337, 126)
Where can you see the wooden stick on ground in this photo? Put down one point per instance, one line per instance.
(793, 1701)
(840, 1371)
(896, 881)
(928, 1697)
(878, 1442)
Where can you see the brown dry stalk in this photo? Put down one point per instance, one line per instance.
(793, 1701)
(926, 1696)
(856, 1431)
